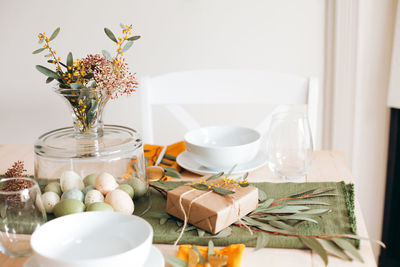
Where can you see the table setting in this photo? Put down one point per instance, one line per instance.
(94, 194)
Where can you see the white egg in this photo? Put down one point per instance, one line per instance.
(93, 196)
(50, 199)
(71, 180)
(120, 201)
(105, 183)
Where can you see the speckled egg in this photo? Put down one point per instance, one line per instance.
(127, 188)
(68, 206)
(105, 183)
(120, 201)
(53, 187)
(90, 179)
(71, 180)
(49, 200)
(139, 187)
(93, 196)
(73, 194)
(87, 189)
(99, 206)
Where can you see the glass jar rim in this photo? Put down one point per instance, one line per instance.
(34, 185)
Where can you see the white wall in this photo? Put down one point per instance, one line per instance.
(283, 36)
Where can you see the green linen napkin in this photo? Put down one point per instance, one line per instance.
(339, 221)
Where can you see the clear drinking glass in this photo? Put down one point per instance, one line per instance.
(289, 145)
(21, 212)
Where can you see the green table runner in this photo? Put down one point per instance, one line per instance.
(339, 221)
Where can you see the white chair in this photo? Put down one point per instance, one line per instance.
(224, 86)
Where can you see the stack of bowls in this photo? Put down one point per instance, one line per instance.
(222, 147)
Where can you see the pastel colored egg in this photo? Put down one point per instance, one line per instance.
(139, 187)
(127, 188)
(93, 196)
(71, 180)
(99, 206)
(120, 201)
(90, 179)
(50, 199)
(73, 194)
(68, 206)
(53, 187)
(105, 183)
(88, 188)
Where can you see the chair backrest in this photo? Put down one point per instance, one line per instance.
(225, 86)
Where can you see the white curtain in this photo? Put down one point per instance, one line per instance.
(394, 85)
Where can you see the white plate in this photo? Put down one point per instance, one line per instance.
(155, 259)
(186, 161)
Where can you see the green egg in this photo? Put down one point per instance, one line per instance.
(100, 206)
(87, 189)
(90, 179)
(127, 188)
(68, 206)
(139, 187)
(53, 187)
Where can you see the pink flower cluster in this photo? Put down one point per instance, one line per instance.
(113, 77)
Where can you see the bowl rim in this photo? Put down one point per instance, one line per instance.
(259, 136)
(92, 213)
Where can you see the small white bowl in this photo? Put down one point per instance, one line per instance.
(90, 239)
(221, 147)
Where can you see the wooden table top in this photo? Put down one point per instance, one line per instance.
(326, 166)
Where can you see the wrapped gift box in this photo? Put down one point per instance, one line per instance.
(209, 210)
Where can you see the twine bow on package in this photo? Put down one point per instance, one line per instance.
(209, 210)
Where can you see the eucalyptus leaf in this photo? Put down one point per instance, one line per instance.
(230, 171)
(315, 246)
(200, 232)
(306, 202)
(261, 195)
(165, 163)
(202, 187)
(134, 38)
(106, 54)
(70, 60)
(263, 226)
(244, 184)
(364, 238)
(224, 233)
(49, 79)
(303, 193)
(187, 228)
(327, 195)
(163, 220)
(179, 223)
(215, 176)
(282, 225)
(210, 248)
(160, 214)
(127, 46)
(48, 55)
(54, 34)
(332, 248)
(314, 212)
(122, 26)
(347, 246)
(110, 35)
(37, 51)
(201, 258)
(174, 261)
(262, 240)
(170, 157)
(290, 209)
(323, 190)
(222, 191)
(266, 203)
(298, 217)
(171, 172)
(47, 72)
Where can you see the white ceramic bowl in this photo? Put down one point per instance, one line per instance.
(90, 239)
(221, 147)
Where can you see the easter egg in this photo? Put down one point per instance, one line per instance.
(87, 189)
(68, 206)
(73, 194)
(71, 180)
(120, 201)
(49, 200)
(93, 196)
(139, 187)
(99, 206)
(105, 183)
(53, 187)
(127, 188)
(90, 179)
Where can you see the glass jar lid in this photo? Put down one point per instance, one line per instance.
(64, 143)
